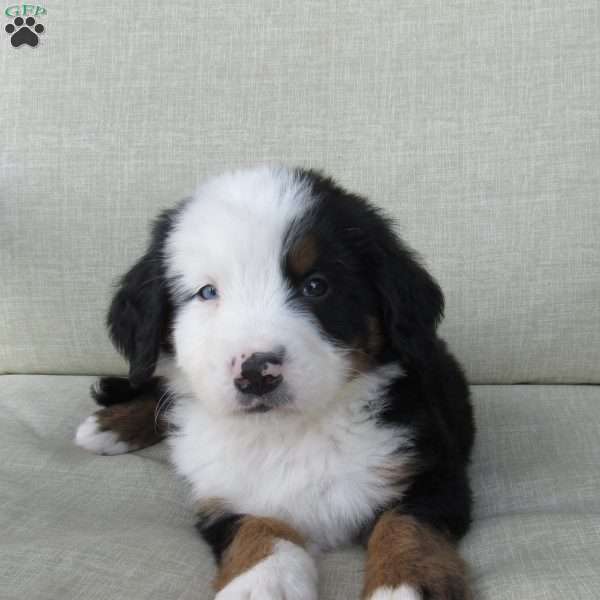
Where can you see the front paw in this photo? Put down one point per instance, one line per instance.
(121, 428)
(408, 592)
(409, 560)
(450, 590)
(288, 573)
(93, 436)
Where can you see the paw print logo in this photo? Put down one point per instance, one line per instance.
(24, 32)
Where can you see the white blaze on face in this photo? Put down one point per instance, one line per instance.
(231, 235)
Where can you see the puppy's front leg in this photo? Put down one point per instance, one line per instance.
(409, 560)
(132, 418)
(259, 558)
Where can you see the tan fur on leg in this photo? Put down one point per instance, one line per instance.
(253, 542)
(133, 422)
(403, 551)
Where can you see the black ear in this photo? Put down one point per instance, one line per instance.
(138, 318)
(412, 302)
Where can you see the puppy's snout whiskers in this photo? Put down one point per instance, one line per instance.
(165, 402)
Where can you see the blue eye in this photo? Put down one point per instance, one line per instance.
(208, 292)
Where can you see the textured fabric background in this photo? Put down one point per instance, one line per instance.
(80, 526)
(475, 122)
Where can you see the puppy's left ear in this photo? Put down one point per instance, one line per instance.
(412, 302)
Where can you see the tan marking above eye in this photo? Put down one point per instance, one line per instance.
(303, 255)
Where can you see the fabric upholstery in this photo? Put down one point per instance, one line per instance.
(476, 123)
(77, 525)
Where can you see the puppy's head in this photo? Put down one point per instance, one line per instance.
(273, 288)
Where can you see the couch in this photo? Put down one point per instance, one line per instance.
(475, 123)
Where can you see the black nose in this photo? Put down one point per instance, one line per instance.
(261, 373)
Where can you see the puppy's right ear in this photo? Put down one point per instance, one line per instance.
(139, 315)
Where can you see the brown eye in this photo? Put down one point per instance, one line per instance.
(315, 287)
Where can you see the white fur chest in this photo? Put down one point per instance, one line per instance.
(325, 477)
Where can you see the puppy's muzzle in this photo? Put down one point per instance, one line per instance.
(260, 373)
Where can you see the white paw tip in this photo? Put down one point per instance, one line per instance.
(90, 437)
(289, 573)
(404, 592)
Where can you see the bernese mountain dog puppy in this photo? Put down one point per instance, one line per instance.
(283, 339)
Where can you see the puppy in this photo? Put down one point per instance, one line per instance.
(284, 339)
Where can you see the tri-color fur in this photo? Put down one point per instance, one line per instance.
(288, 337)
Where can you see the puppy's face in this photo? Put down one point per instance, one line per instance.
(273, 289)
(273, 309)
